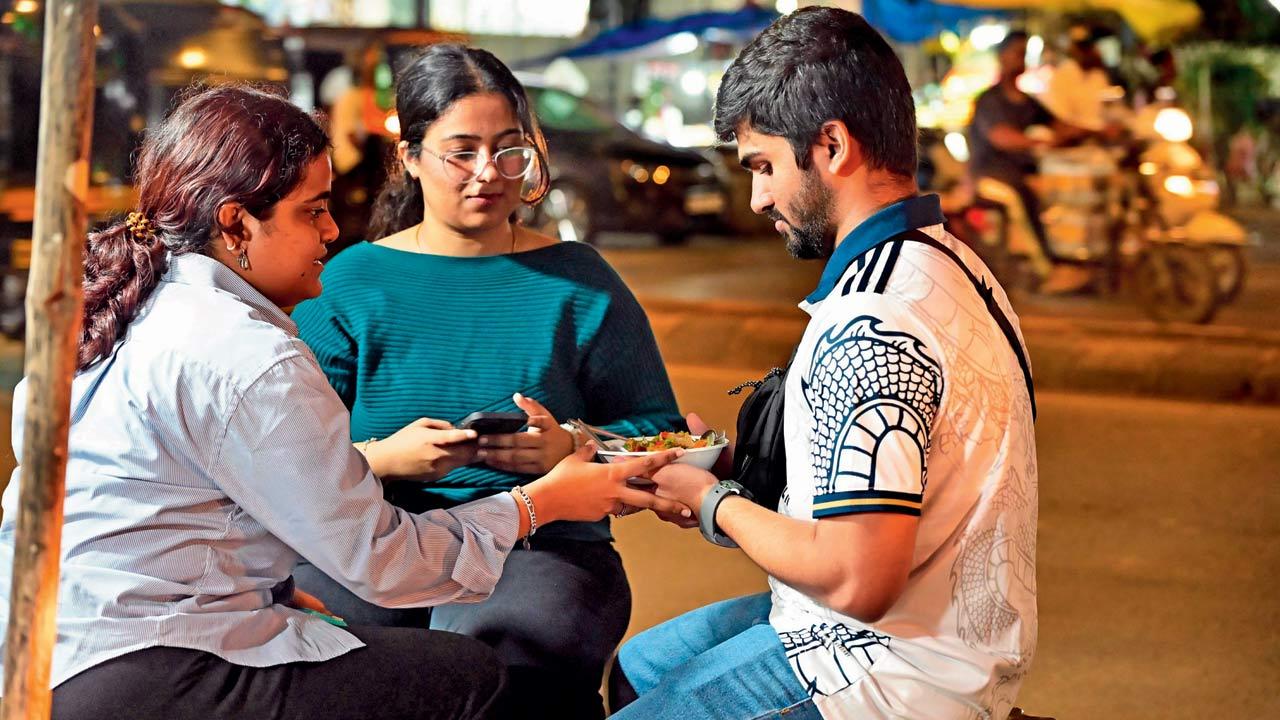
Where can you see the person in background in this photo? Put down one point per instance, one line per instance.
(1079, 88)
(1003, 162)
(453, 308)
(361, 145)
(207, 454)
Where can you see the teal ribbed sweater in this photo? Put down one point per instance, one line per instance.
(404, 335)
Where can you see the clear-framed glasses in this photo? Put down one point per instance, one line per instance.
(463, 166)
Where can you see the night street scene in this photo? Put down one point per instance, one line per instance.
(640, 359)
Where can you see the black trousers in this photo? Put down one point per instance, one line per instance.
(555, 619)
(402, 674)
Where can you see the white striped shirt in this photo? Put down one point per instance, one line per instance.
(207, 455)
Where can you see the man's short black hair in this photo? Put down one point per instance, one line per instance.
(816, 65)
(1014, 36)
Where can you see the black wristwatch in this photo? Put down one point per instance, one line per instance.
(710, 503)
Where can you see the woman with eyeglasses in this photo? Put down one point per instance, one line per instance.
(455, 308)
(207, 454)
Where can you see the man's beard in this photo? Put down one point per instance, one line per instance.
(812, 236)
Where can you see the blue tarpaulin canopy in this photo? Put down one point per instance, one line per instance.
(645, 37)
(910, 21)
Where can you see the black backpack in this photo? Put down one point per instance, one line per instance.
(760, 456)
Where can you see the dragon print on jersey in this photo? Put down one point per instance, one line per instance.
(865, 383)
(852, 654)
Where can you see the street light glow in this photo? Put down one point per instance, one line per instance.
(989, 35)
(192, 58)
(958, 145)
(693, 82)
(681, 43)
(949, 41)
(1035, 49)
(1180, 185)
(26, 6)
(1174, 125)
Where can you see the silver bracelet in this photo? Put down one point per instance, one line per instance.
(533, 516)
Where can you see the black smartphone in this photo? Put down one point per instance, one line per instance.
(494, 423)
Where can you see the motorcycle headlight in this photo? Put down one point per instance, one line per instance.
(957, 145)
(1174, 125)
(1180, 185)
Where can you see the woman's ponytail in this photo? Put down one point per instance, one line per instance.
(122, 266)
(399, 205)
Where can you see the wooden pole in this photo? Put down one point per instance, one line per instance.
(54, 299)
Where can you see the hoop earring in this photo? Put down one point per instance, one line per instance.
(243, 260)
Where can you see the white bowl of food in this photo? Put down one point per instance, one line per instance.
(699, 451)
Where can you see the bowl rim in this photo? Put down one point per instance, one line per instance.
(642, 453)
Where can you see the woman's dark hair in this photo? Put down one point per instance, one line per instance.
(816, 65)
(426, 87)
(220, 145)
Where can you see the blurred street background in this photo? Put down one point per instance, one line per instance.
(1158, 376)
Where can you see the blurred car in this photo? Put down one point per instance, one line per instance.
(739, 218)
(607, 178)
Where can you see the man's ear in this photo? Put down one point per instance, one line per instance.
(233, 226)
(837, 150)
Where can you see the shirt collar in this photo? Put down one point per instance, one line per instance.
(202, 270)
(910, 213)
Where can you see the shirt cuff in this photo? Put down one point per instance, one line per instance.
(487, 530)
(866, 501)
(498, 514)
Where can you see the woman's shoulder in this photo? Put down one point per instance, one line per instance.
(581, 261)
(233, 339)
(530, 239)
(353, 257)
(358, 267)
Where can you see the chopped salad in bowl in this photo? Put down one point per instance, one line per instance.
(700, 450)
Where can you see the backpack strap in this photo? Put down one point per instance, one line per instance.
(988, 296)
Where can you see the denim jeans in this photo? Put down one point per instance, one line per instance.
(720, 662)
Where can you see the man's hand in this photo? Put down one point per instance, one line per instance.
(724, 464)
(532, 452)
(686, 485)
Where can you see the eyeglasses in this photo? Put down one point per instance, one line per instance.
(511, 163)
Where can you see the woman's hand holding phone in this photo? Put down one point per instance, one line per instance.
(425, 449)
(534, 451)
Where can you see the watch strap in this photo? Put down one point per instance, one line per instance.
(711, 503)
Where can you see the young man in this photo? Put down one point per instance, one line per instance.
(894, 594)
(1003, 159)
(1079, 86)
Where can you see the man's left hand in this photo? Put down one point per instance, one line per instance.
(686, 485)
